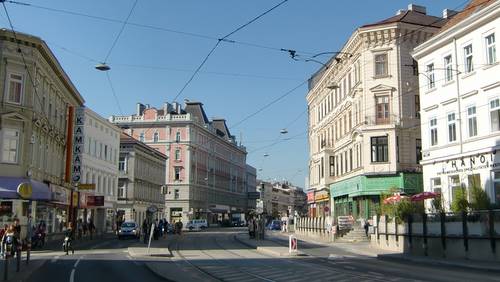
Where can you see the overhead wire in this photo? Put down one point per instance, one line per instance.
(120, 32)
(222, 39)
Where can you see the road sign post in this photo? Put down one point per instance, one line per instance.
(292, 245)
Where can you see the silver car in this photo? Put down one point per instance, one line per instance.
(129, 229)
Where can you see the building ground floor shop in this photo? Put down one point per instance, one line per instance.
(359, 196)
(318, 203)
(450, 176)
(138, 212)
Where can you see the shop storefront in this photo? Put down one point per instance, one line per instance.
(311, 205)
(322, 200)
(480, 170)
(359, 196)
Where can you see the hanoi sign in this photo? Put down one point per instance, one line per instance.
(78, 145)
(471, 163)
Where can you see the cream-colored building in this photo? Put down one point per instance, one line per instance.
(35, 100)
(141, 172)
(100, 167)
(460, 100)
(364, 134)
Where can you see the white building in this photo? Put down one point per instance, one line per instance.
(100, 167)
(460, 101)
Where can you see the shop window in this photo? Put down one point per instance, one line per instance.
(496, 182)
(455, 185)
(436, 184)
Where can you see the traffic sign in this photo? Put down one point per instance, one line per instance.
(292, 244)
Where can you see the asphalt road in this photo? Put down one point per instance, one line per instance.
(215, 255)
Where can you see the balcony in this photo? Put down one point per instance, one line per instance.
(377, 120)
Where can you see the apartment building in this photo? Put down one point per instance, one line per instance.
(460, 100)
(206, 167)
(364, 117)
(281, 199)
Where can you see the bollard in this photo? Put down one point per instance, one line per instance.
(28, 251)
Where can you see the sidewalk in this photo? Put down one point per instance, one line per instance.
(25, 270)
(365, 249)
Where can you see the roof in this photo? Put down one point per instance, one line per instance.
(196, 110)
(472, 7)
(411, 17)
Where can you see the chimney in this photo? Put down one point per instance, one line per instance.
(167, 108)
(447, 13)
(140, 109)
(417, 8)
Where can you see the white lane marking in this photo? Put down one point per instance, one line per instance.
(132, 260)
(72, 276)
(350, 267)
(55, 259)
(77, 262)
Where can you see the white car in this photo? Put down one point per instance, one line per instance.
(197, 224)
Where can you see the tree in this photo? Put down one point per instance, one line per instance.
(460, 203)
(437, 204)
(480, 200)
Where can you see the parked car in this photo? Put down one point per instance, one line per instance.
(238, 223)
(274, 225)
(197, 224)
(129, 229)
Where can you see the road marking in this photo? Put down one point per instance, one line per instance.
(72, 276)
(77, 262)
(55, 259)
(350, 267)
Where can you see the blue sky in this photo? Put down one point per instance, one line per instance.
(151, 65)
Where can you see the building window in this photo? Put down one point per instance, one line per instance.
(177, 137)
(176, 194)
(156, 137)
(380, 149)
(495, 114)
(381, 65)
(452, 128)
(474, 181)
(122, 164)
(436, 185)
(322, 167)
(14, 88)
(448, 68)
(332, 166)
(177, 173)
(417, 106)
(434, 131)
(418, 149)
(431, 80)
(455, 185)
(496, 182)
(382, 109)
(491, 53)
(177, 155)
(121, 191)
(10, 145)
(471, 121)
(468, 64)
(350, 159)
(141, 137)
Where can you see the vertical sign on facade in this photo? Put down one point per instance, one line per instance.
(78, 145)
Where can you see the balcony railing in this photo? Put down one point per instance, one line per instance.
(377, 120)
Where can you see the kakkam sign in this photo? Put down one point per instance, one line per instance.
(78, 145)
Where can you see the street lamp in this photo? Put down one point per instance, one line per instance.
(284, 131)
(102, 67)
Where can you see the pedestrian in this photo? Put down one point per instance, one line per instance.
(251, 228)
(9, 241)
(366, 226)
(91, 228)
(85, 227)
(145, 230)
(79, 227)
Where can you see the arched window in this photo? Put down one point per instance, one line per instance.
(178, 137)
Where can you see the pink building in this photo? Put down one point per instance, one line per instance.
(206, 168)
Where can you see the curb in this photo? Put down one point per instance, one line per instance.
(437, 263)
(265, 250)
